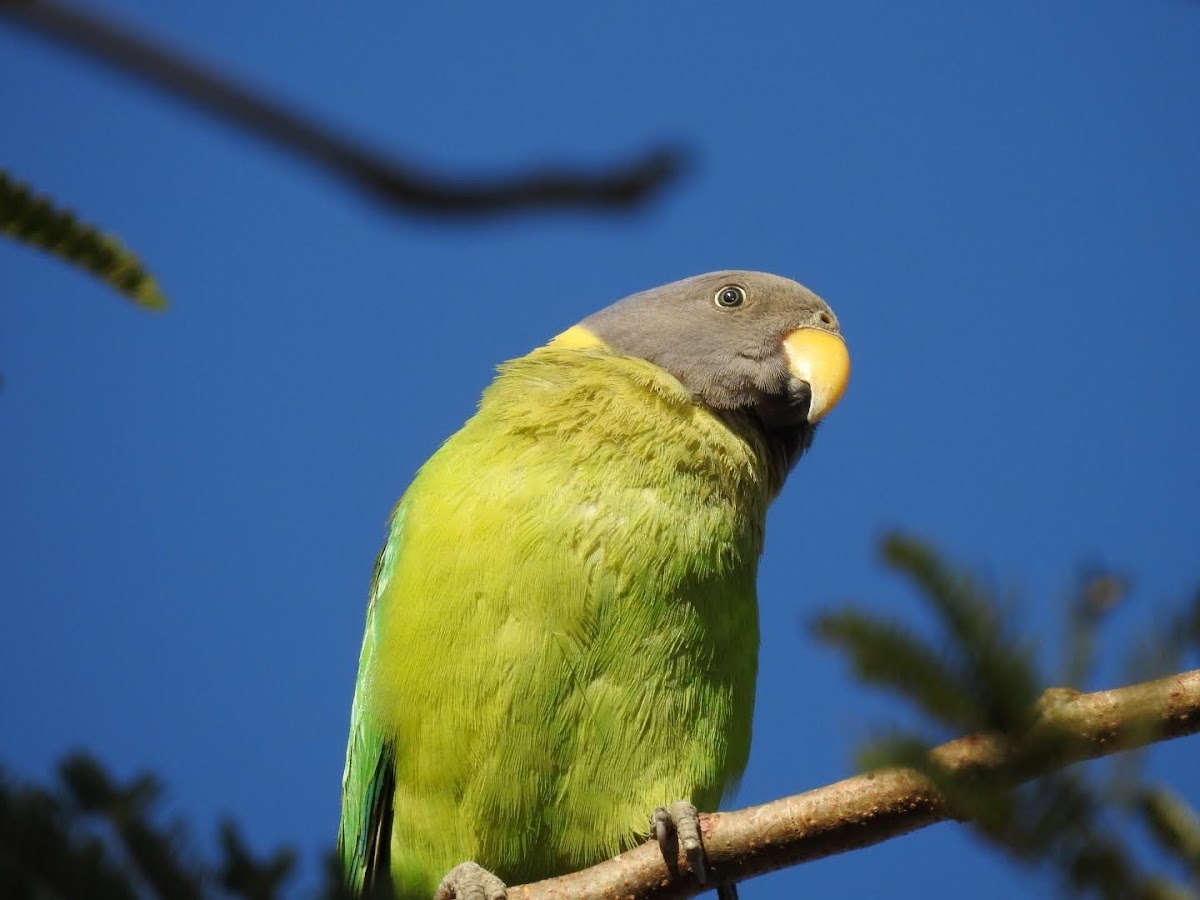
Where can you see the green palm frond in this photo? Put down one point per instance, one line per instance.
(37, 221)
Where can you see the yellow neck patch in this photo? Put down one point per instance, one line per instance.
(577, 338)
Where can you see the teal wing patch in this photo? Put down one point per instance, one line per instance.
(364, 841)
(369, 780)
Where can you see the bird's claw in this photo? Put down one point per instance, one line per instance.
(680, 822)
(470, 881)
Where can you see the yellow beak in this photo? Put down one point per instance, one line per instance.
(822, 360)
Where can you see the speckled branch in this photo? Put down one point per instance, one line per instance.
(873, 807)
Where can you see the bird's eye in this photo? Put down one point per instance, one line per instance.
(730, 297)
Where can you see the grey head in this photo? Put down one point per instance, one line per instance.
(751, 346)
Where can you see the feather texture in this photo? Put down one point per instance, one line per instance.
(562, 632)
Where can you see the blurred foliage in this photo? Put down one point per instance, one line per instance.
(37, 221)
(89, 836)
(982, 676)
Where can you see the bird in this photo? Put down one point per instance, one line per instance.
(561, 636)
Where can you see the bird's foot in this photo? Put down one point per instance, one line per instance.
(680, 822)
(469, 881)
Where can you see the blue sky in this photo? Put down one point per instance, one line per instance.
(1001, 201)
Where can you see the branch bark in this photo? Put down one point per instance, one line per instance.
(396, 184)
(875, 806)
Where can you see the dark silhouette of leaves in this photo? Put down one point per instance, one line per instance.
(983, 678)
(95, 839)
(245, 876)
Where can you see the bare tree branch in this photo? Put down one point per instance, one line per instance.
(870, 808)
(394, 183)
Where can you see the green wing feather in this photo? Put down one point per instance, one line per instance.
(369, 780)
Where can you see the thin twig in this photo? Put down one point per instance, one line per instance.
(390, 181)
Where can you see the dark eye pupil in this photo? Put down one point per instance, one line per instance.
(730, 296)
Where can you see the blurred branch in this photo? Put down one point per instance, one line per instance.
(873, 807)
(387, 180)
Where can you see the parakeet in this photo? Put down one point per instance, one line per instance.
(562, 628)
